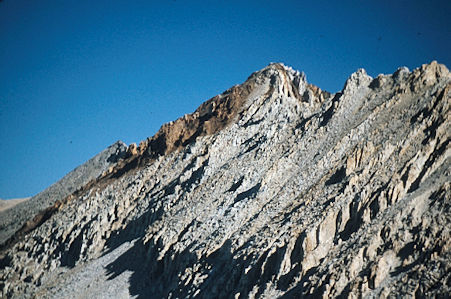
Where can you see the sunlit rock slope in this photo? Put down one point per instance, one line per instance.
(274, 188)
(13, 219)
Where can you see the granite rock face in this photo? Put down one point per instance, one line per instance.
(274, 188)
(13, 219)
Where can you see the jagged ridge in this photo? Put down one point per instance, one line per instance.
(274, 188)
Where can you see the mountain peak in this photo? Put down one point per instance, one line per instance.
(273, 188)
(357, 79)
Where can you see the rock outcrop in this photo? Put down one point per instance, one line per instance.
(11, 220)
(274, 188)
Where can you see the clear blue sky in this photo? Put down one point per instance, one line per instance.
(75, 76)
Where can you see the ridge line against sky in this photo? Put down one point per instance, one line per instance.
(76, 76)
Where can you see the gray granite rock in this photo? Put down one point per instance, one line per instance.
(14, 218)
(273, 189)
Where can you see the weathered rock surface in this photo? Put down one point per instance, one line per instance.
(11, 220)
(272, 189)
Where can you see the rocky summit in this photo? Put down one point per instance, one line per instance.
(275, 188)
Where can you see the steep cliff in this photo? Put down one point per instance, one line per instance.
(274, 188)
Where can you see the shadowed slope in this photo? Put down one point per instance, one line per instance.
(272, 189)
